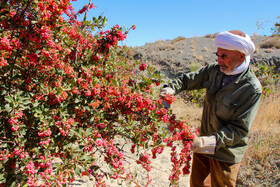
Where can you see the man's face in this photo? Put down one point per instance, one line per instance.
(229, 60)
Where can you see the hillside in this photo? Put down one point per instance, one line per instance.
(172, 57)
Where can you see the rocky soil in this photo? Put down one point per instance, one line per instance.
(175, 56)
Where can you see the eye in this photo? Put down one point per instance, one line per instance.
(221, 56)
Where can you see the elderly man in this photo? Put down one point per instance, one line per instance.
(232, 98)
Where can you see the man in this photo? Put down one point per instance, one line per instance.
(232, 98)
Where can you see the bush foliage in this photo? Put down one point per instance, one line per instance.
(66, 93)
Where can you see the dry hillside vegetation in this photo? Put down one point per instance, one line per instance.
(261, 164)
(271, 42)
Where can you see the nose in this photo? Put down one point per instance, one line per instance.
(220, 61)
(220, 58)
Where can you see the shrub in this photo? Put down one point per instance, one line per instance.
(268, 77)
(271, 42)
(67, 94)
(179, 38)
(211, 35)
(195, 96)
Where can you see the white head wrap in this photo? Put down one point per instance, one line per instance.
(229, 41)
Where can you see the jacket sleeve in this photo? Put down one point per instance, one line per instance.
(238, 127)
(190, 81)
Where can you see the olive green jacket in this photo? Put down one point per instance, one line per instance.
(228, 112)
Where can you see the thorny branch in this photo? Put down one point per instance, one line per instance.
(78, 40)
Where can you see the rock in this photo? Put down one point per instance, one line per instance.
(137, 56)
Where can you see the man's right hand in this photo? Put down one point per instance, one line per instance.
(166, 90)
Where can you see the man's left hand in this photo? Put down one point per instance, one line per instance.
(204, 144)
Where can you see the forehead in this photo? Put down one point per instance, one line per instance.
(225, 51)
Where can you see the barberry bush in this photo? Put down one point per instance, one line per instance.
(67, 94)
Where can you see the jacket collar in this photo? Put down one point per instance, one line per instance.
(242, 75)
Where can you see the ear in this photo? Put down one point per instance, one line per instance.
(242, 56)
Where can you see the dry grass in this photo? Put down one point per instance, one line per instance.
(261, 163)
(166, 47)
(187, 111)
(200, 58)
(269, 50)
(159, 42)
(268, 116)
(205, 49)
(211, 35)
(257, 49)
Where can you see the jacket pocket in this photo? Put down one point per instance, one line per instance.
(229, 101)
(230, 104)
(226, 108)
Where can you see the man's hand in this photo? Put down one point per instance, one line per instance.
(166, 90)
(204, 144)
(163, 92)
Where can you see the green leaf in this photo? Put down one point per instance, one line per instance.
(135, 174)
(13, 184)
(146, 145)
(8, 108)
(88, 132)
(35, 104)
(78, 171)
(77, 100)
(85, 22)
(9, 99)
(2, 177)
(34, 22)
(87, 158)
(72, 175)
(80, 135)
(26, 101)
(94, 167)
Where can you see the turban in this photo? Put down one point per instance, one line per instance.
(229, 41)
